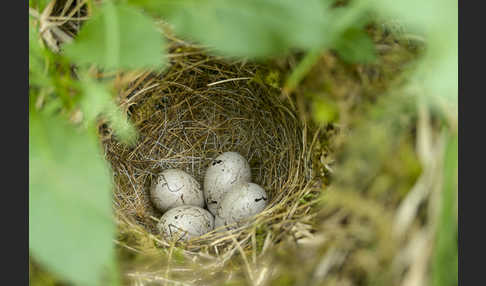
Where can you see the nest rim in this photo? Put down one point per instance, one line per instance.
(203, 80)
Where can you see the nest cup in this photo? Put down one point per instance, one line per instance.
(196, 109)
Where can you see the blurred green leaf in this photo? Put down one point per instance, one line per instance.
(97, 100)
(324, 110)
(419, 16)
(253, 28)
(356, 46)
(163, 8)
(70, 219)
(118, 121)
(440, 70)
(37, 59)
(118, 37)
(445, 260)
(35, 48)
(437, 22)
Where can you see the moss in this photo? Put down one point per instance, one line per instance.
(284, 279)
(178, 256)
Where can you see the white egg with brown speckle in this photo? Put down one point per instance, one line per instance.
(219, 224)
(173, 188)
(226, 170)
(218, 221)
(185, 222)
(241, 202)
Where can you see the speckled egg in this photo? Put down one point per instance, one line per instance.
(219, 222)
(242, 201)
(225, 171)
(185, 222)
(174, 188)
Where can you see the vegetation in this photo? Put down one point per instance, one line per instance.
(370, 84)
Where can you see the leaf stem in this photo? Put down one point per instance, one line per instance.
(301, 70)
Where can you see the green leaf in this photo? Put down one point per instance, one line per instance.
(70, 218)
(97, 100)
(118, 121)
(118, 37)
(418, 16)
(356, 46)
(254, 28)
(440, 69)
(437, 22)
(163, 8)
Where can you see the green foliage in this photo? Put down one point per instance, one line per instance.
(257, 29)
(70, 220)
(437, 21)
(438, 73)
(71, 228)
(97, 100)
(50, 78)
(35, 50)
(445, 266)
(356, 46)
(253, 28)
(419, 16)
(118, 37)
(38, 57)
(163, 8)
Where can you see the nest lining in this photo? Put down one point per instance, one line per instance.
(184, 123)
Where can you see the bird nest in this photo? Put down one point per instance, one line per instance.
(188, 114)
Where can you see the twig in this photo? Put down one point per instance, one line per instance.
(228, 80)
